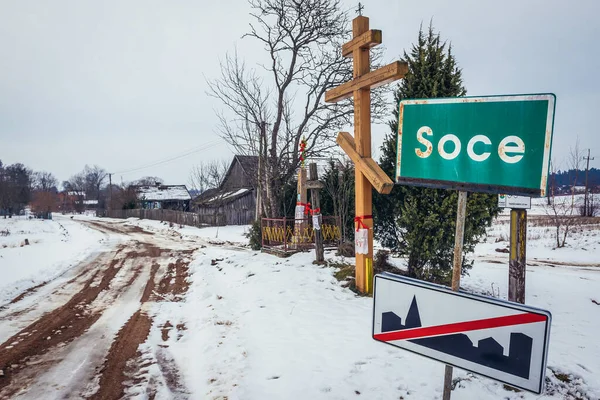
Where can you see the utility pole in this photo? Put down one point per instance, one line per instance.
(586, 198)
(109, 192)
(261, 161)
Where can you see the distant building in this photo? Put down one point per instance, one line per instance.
(71, 201)
(168, 197)
(234, 201)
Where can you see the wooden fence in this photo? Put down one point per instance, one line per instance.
(176, 217)
(286, 236)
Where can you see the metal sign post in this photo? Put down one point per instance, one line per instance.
(459, 235)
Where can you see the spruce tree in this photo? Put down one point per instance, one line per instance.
(419, 223)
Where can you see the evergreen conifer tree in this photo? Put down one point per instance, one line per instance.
(418, 222)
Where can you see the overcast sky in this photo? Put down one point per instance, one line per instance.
(122, 84)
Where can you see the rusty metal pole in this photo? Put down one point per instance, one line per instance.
(461, 212)
(518, 260)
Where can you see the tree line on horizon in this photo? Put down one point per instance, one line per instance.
(21, 187)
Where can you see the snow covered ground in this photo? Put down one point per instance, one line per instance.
(254, 326)
(54, 247)
(261, 327)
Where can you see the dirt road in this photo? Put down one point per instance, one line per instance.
(78, 335)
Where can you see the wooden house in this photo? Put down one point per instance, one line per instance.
(234, 201)
(167, 197)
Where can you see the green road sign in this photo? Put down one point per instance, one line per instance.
(495, 144)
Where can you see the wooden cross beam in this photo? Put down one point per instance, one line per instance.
(368, 174)
(378, 179)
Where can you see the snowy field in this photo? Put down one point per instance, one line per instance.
(54, 247)
(254, 326)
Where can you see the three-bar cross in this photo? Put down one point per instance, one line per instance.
(368, 174)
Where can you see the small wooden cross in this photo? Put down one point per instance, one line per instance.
(360, 8)
(368, 174)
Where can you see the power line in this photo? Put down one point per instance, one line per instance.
(202, 147)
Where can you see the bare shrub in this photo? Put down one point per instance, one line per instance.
(346, 249)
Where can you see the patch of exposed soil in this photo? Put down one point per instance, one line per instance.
(165, 331)
(59, 326)
(174, 281)
(113, 373)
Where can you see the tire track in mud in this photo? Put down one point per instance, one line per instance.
(124, 360)
(23, 356)
(71, 320)
(78, 280)
(61, 325)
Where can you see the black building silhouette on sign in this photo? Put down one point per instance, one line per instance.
(488, 351)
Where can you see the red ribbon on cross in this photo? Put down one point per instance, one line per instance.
(306, 207)
(315, 211)
(361, 224)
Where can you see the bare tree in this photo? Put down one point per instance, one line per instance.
(339, 185)
(561, 209)
(592, 205)
(44, 181)
(94, 178)
(75, 185)
(574, 161)
(124, 197)
(15, 188)
(208, 175)
(75, 193)
(149, 181)
(270, 116)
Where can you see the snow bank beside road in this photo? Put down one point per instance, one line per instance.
(254, 326)
(54, 247)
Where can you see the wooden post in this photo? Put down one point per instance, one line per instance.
(302, 199)
(315, 186)
(461, 211)
(362, 132)
(260, 172)
(368, 175)
(518, 260)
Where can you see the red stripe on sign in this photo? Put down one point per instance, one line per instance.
(458, 327)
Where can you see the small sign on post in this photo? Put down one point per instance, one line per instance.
(511, 201)
(504, 341)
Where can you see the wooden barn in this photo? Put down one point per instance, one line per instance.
(167, 197)
(234, 201)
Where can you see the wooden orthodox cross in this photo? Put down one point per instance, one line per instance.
(367, 173)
